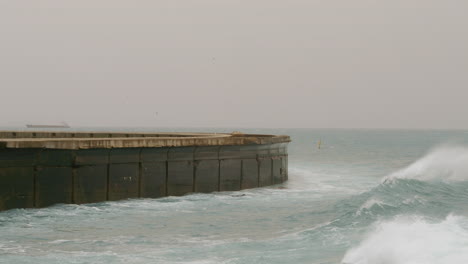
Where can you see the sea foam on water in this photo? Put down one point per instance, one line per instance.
(413, 240)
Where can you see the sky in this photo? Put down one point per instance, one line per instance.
(232, 63)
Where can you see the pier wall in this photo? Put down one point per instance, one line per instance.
(39, 177)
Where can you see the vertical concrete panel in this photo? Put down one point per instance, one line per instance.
(230, 175)
(229, 152)
(249, 174)
(284, 168)
(153, 180)
(262, 150)
(91, 157)
(181, 153)
(265, 177)
(274, 149)
(18, 158)
(53, 185)
(207, 153)
(179, 177)
(206, 176)
(248, 152)
(90, 184)
(287, 167)
(123, 181)
(16, 188)
(153, 154)
(124, 155)
(55, 158)
(180, 171)
(276, 170)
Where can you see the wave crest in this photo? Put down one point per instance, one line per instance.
(406, 240)
(448, 163)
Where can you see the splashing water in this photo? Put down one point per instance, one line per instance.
(413, 240)
(449, 163)
(434, 185)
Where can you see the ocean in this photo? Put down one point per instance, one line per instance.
(364, 197)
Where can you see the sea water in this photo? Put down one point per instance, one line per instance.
(364, 197)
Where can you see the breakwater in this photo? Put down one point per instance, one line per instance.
(39, 169)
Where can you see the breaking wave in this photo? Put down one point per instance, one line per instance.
(413, 240)
(448, 163)
(418, 214)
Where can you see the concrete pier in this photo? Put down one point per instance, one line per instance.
(39, 169)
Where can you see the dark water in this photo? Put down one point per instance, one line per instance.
(367, 196)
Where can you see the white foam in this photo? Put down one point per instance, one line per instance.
(448, 163)
(369, 204)
(59, 241)
(11, 247)
(413, 240)
(323, 181)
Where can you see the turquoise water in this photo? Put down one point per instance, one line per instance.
(367, 197)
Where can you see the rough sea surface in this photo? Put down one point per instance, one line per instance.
(364, 197)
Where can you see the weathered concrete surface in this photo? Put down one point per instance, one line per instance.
(52, 140)
(206, 169)
(90, 184)
(249, 173)
(153, 172)
(39, 169)
(17, 187)
(207, 176)
(53, 185)
(230, 175)
(153, 179)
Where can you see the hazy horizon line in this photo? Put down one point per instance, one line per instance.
(2, 127)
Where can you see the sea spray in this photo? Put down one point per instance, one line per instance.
(447, 163)
(413, 240)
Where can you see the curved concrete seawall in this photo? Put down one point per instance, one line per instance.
(38, 169)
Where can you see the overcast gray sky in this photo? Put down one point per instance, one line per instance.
(311, 63)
